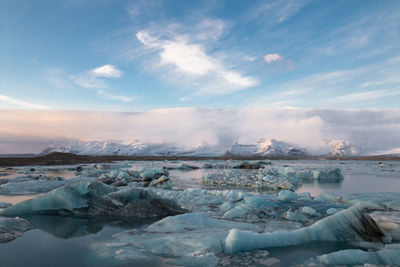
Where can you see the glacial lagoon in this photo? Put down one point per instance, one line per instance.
(262, 215)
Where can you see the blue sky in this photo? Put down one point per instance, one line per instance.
(145, 55)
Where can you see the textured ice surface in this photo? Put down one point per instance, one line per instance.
(11, 228)
(387, 257)
(278, 178)
(373, 200)
(4, 205)
(388, 221)
(350, 225)
(26, 185)
(87, 199)
(191, 238)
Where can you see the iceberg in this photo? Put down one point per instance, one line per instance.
(29, 186)
(94, 199)
(187, 239)
(387, 257)
(279, 178)
(351, 225)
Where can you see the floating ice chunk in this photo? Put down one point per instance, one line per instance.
(373, 200)
(160, 182)
(32, 170)
(287, 195)
(331, 211)
(69, 197)
(36, 186)
(4, 205)
(11, 228)
(304, 196)
(183, 167)
(387, 257)
(322, 175)
(228, 205)
(251, 165)
(252, 208)
(378, 200)
(88, 199)
(149, 175)
(177, 239)
(295, 217)
(208, 259)
(248, 178)
(388, 221)
(350, 225)
(308, 211)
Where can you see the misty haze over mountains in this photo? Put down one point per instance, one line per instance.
(370, 131)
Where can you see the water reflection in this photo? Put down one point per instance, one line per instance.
(70, 227)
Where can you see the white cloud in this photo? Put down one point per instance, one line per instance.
(368, 95)
(89, 81)
(185, 62)
(276, 12)
(269, 58)
(121, 98)
(21, 103)
(187, 58)
(95, 80)
(107, 71)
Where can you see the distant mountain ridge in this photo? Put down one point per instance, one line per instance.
(264, 147)
(117, 148)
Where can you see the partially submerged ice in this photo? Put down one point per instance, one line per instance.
(279, 178)
(191, 239)
(352, 225)
(26, 185)
(11, 228)
(389, 256)
(124, 177)
(88, 199)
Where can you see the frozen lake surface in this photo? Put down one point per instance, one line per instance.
(251, 203)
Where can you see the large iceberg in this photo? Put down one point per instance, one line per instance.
(278, 178)
(351, 225)
(88, 199)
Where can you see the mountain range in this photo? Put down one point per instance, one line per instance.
(264, 147)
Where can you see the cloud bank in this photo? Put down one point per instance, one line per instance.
(30, 131)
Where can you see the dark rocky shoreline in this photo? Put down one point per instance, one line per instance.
(58, 158)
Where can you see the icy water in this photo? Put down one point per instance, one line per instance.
(60, 241)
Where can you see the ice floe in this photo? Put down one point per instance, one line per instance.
(88, 199)
(351, 225)
(27, 185)
(386, 257)
(184, 240)
(278, 178)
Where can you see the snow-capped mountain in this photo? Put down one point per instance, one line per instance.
(118, 148)
(266, 147)
(339, 148)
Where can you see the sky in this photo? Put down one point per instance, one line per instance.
(247, 57)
